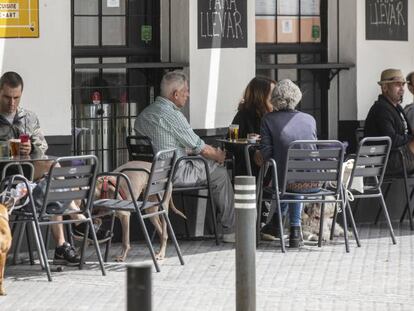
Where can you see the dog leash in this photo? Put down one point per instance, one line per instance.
(104, 190)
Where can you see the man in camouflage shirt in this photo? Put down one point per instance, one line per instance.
(15, 120)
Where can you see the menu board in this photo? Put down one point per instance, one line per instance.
(222, 24)
(386, 20)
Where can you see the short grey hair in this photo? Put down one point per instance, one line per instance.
(286, 95)
(172, 81)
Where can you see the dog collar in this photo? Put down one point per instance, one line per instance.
(104, 190)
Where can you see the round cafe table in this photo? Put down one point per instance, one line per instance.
(246, 145)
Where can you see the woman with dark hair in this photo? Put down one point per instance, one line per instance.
(254, 105)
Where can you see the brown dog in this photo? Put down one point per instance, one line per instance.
(138, 181)
(5, 241)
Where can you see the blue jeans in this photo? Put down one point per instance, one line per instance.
(294, 209)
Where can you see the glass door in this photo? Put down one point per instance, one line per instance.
(109, 89)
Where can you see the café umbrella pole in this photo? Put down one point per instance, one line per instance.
(245, 208)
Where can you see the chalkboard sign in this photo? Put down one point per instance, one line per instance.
(222, 24)
(386, 20)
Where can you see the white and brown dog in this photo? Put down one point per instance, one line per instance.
(5, 241)
(311, 215)
(105, 188)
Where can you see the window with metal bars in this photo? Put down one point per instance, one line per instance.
(290, 34)
(112, 40)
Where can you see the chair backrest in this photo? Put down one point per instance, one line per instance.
(371, 161)
(160, 176)
(67, 183)
(314, 161)
(140, 148)
(359, 134)
(23, 168)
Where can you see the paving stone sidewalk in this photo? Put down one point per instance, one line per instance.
(377, 276)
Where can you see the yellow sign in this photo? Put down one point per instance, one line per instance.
(19, 18)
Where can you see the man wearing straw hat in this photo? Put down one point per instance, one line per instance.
(387, 118)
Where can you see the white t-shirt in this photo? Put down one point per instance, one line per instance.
(9, 117)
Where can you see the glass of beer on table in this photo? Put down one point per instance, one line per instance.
(234, 131)
(14, 146)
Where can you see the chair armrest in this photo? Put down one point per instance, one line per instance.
(135, 169)
(114, 174)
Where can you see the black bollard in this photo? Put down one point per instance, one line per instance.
(139, 287)
(245, 209)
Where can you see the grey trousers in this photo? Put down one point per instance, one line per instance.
(193, 173)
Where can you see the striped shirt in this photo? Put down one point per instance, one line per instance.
(164, 123)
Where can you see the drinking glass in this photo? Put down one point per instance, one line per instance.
(234, 131)
(14, 145)
(4, 149)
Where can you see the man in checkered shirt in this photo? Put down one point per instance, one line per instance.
(164, 123)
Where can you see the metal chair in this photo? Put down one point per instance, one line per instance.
(24, 169)
(19, 167)
(22, 217)
(159, 181)
(408, 181)
(140, 148)
(318, 162)
(388, 180)
(370, 163)
(268, 194)
(64, 185)
(192, 191)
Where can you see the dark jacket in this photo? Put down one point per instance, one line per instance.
(385, 119)
(279, 129)
(248, 122)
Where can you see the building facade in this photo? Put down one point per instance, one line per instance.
(96, 64)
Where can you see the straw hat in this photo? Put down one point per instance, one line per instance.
(391, 76)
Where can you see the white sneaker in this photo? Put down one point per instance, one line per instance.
(229, 237)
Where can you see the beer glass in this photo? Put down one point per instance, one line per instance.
(14, 145)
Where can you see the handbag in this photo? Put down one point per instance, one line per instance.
(303, 186)
(357, 182)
